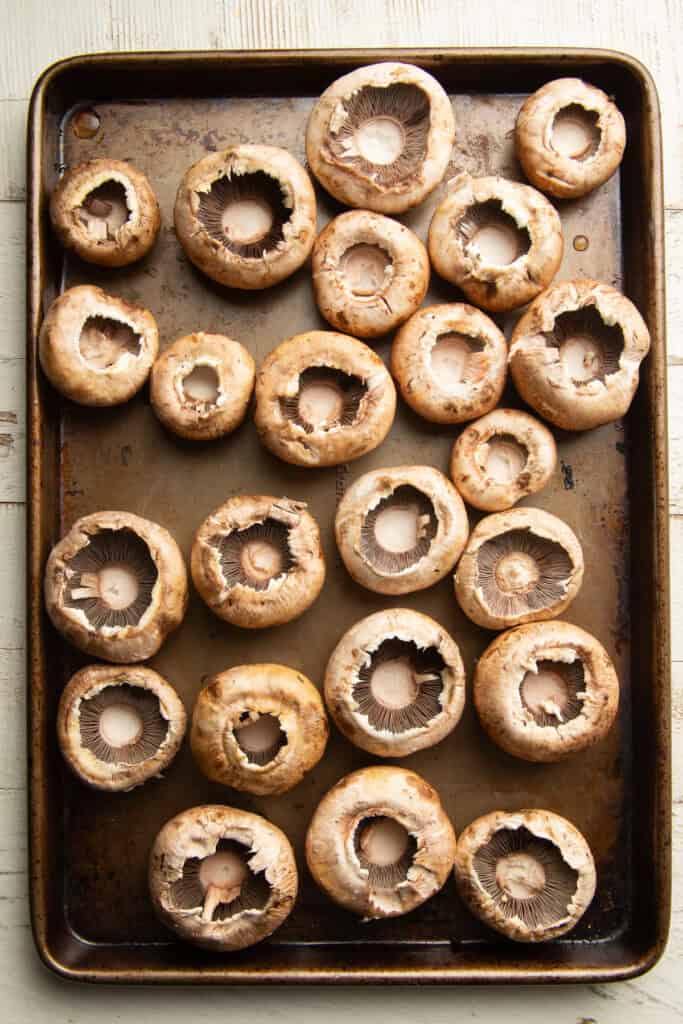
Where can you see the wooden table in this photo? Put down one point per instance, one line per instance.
(44, 32)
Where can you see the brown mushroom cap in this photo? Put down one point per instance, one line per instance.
(106, 211)
(450, 363)
(380, 138)
(259, 728)
(246, 216)
(575, 354)
(370, 273)
(546, 690)
(119, 725)
(528, 874)
(323, 398)
(519, 566)
(497, 240)
(501, 458)
(380, 843)
(569, 137)
(116, 585)
(201, 386)
(96, 349)
(395, 683)
(401, 529)
(222, 878)
(257, 561)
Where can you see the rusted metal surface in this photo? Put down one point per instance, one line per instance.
(91, 913)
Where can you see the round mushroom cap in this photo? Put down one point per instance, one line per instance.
(97, 349)
(519, 566)
(380, 843)
(222, 878)
(450, 363)
(116, 585)
(395, 683)
(370, 273)
(106, 211)
(201, 386)
(257, 561)
(575, 354)
(569, 138)
(119, 725)
(528, 874)
(323, 398)
(259, 728)
(401, 529)
(246, 216)
(546, 690)
(497, 240)
(501, 458)
(380, 138)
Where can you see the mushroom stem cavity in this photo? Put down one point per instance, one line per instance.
(380, 140)
(104, 341)
(399, 688)
(256, 555)
(260, 737)
(246, 213)
(326, 398)
(364, 269)
(589, 348)
(122, 724)
(104, 211)
(553, 693)
(111, 579)
(399, 530)
(490, 231)
(503, 458)
(520, 572)
(222, 884)
(451, 360)
(385, 849)
(575, 132)
(202, 384)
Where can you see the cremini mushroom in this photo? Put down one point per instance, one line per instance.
(246, 216)
(259, 728)
(119, 725)
(546, 690)
(395, 683)
(323, 398)
(106, 211)
(116, 585)
(222, 878)
(257, 560)
(201, 386)
(401, 529)
(519, 566)
(380, 843)
(96, 349)
(497, 240)
(569, 137)
(501, 458)
(370, 273)
(450, 363)
(528, 874)
(380, 137)
(575, 354)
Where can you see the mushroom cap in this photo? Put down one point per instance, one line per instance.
(395, 297)
(197, 419)
(83, 761)
(168, 601)
(286, 595)
(469, 460)
(278, 381)
(388, 792)
(255, 690)
(210, 254)
(445, 547)
(87, 377)
(496, 287)
(511, 724)
(196, 833)
(132, 240)
(538, 528)
(542, 376)
(329, 148)
(354, 652)
(557, 173)
(430, 392)
(545, 826)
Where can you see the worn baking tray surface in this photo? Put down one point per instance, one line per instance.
(91, 912)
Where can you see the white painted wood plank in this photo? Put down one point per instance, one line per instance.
(13, 149)
(158, 24)
(12, 353)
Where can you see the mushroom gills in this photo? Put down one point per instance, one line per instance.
(575, 132)
(103, 341)
(122, 724)
(260, 737)
(385, 849)
(519, 572)
(255, 556)
(589, 349)
(111, 579)
(201, 384)
(220, 885)
(526, 877)
(104, 211)
(487, 230)
(246, 213)
(554, 693)
(364, 269)
(399, 687)
(399, 530)
(502, 458)
(326, 398)
(457, 359)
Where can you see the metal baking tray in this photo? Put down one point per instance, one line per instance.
(92, 918)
